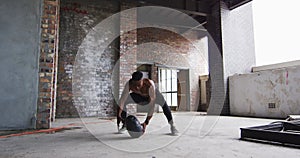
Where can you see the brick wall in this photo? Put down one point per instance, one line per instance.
(78, 17)
(128, 42)
(147, 45)
(168, 49)
(226, 57)
(48, 64)
(238, 58)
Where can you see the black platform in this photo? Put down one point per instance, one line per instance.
(284, 133)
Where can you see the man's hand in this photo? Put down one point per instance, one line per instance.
(144, 126)
(120, 118)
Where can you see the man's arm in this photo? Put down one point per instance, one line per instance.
(151, 103)
(123, 98)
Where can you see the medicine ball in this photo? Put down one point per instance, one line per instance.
(134, 127)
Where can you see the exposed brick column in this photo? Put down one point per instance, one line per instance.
(128, 45)
(219, 102)
(47, 64)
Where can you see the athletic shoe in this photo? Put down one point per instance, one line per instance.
(174, 131)
(122, 129)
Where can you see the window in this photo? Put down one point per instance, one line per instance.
(168, 85)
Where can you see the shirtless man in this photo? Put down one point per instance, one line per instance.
(143, 92)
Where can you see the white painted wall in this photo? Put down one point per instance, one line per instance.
(250, 94)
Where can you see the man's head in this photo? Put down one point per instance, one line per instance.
(136, 81)
(136, 76)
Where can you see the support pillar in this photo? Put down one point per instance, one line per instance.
(47, 64)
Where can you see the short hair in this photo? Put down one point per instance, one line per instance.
(136, 76)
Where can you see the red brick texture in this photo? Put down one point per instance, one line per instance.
(47, 64)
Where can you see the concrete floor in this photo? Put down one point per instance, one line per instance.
(200, 136)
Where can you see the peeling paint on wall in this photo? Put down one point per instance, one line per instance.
(271, 93)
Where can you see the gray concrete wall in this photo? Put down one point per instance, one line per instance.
(19, 47)
(251, 94)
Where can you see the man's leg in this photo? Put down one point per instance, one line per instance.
(167, 111)
(162, 102)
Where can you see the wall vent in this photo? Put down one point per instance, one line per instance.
(271, 105)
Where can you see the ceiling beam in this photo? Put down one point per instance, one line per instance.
(201, 8)
(232, 4)
(193, 12)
